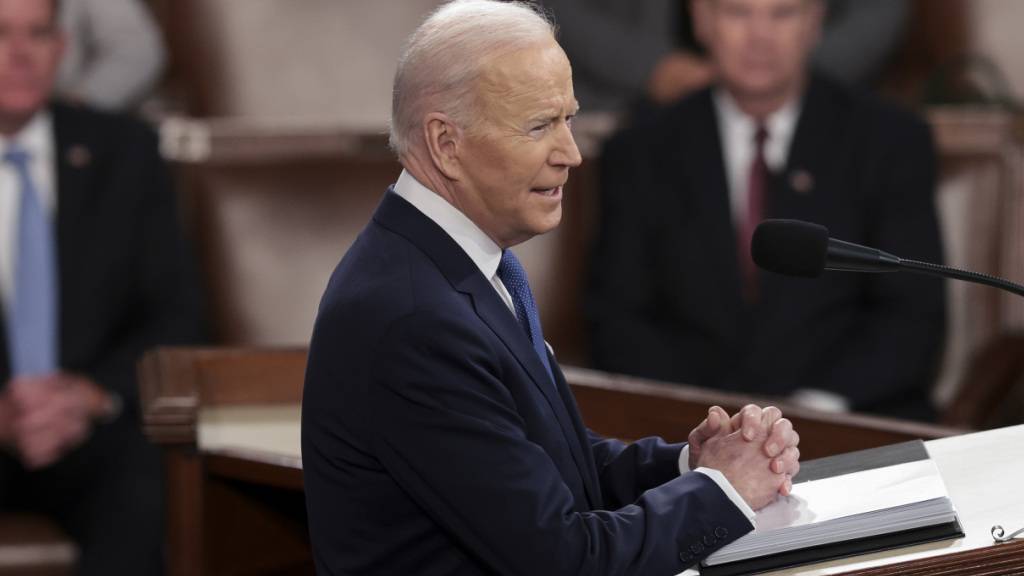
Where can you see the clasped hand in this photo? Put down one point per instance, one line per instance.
(44, 417)
(756, 450)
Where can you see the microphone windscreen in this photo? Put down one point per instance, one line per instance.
(790, 247)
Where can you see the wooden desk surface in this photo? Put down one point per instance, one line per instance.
(982, 472)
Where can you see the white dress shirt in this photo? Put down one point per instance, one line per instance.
(736, 130)
(36, 138)
(483, 251)
(486, 254)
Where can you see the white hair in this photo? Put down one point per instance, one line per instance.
(443, 58)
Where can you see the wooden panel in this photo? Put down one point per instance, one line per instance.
(261, 469)
(980, 197)
(176, 381)
(185, 504)
(997, 373)
(235, 512)
(254, 527)
(31, 545)
(937, 34)
(631, 408)
(992, 561)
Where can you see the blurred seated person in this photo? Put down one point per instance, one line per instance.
(674, 294)
(625, 51)
(93, 271)
(114, 54)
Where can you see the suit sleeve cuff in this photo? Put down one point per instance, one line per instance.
(729, 491)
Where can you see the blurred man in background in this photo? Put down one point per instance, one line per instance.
(675, 295)
(93, 271)
(645, 50)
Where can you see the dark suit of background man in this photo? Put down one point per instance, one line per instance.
(438, 433)
(93, 271)
(675, 295)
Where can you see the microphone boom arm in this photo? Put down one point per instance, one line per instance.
(948, 272)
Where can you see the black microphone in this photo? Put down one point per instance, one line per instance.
(796, 248)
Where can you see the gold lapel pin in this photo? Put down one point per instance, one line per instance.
(801, 181)
(79, 156)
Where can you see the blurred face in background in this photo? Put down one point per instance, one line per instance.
(30, 49)
(759, 47)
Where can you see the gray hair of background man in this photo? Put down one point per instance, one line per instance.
(443, 58)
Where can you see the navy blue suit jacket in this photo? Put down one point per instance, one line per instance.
(434, 442)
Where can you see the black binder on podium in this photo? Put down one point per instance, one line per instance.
(845, 505)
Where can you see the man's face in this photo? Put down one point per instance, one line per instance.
(760, 47)
(516, 158)
(30, 50)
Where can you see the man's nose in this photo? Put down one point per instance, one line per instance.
(566, 152)
(18, 49)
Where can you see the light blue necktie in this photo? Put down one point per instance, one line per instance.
(32, 326)
(513, 276)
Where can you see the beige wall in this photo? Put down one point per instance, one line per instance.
(334, 59)
(330, 59)
(996, 32)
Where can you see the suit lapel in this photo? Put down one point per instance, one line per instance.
(808, 152)
(497, 316)
(709, 194)
(74, 165)
(590, 479)
(401, 217)
(73, 158)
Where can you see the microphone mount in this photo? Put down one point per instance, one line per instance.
(848, 257)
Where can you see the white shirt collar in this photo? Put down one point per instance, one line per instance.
(740, 127)
(736, 132)
(483, 251)
(35, 138)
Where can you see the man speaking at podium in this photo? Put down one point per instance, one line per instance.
(438, 433)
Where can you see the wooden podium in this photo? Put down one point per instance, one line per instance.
(228, 423)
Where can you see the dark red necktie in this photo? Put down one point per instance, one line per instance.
(757, 189)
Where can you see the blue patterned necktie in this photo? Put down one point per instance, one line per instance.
(513, 276)
(32, 326)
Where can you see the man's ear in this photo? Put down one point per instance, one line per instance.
(700, 20)
(816, 21)
(443, 138)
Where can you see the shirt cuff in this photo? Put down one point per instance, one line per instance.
(718, 478)
(684, 460)
(731, 492)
